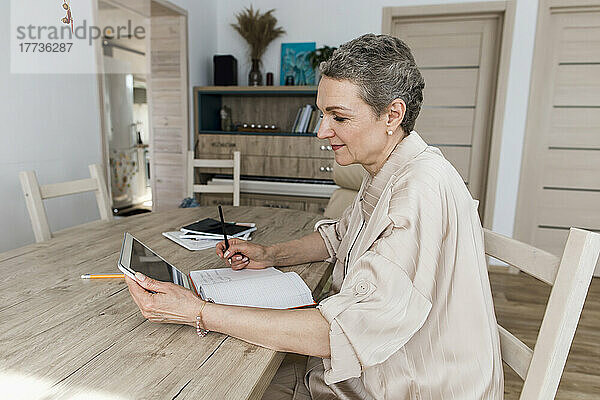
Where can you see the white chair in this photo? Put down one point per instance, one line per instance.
(234, 188)
(570, 276)
(35, 194)
(349, 179)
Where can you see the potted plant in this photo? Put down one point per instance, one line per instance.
(317, 56)
(259, 30)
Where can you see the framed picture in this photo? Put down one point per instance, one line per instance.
(294, 63)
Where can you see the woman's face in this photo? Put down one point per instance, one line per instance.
(355, 134)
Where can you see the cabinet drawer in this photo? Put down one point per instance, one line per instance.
(274, 202)
(209, 199)
(219, 144)
(316, 205)
(257, 145)
(309, 168)
(309, 204)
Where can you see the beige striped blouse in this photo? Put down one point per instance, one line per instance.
(412, 314)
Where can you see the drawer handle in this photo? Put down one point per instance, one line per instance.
(329, 148)
(325, 169)
(325, 148)
(218, 144)
(322, 169)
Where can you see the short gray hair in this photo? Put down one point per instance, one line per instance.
(384, 69)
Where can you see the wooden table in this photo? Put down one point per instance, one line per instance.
(64, 337)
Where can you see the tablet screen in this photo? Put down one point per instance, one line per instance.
(142, 259)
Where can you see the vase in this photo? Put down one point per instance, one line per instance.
(255, 76)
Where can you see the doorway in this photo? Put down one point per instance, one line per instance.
(144, 113)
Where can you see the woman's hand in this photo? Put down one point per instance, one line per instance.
(171, 303)
(242, 254)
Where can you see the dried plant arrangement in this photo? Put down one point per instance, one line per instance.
(257, 29)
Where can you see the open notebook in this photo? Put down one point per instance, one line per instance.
(265, 288)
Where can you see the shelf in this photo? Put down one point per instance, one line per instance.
(277, 105)
(217, 132)
(256, 90)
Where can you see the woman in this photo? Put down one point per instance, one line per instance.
(410, 314)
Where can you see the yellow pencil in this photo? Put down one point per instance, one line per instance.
(102, 276)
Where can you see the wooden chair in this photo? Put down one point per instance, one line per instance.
(234, 188)
(570, 276)
(35, 194)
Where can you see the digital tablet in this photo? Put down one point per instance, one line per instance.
(136, 257)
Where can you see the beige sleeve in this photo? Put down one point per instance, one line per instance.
(376, 312)
(332, 231)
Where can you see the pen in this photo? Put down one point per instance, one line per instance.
(223, 227)
(101, 276)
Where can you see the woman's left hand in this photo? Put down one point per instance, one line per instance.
(171, 303)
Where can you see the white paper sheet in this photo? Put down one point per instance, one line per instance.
(196, 243)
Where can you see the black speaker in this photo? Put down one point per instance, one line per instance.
(225, 70)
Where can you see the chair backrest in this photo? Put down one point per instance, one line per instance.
(234, 163)
(570, 277)
(35, 194)
(349, 179)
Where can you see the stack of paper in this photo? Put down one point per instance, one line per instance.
(192, 243)
(196, 240)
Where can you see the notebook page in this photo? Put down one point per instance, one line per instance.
(285, 290)
(219, 275)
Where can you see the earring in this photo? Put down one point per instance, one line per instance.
(390, 132)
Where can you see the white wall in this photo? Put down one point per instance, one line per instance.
(337, 21)
(515, 116)
(50, 124)
(202, 45)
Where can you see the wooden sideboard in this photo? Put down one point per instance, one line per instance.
(277, 154)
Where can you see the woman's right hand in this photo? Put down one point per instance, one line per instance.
(242, 254)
